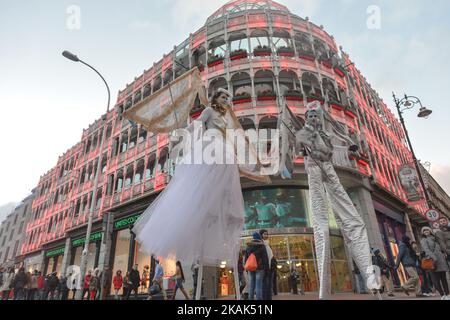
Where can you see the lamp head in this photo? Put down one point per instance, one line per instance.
(70, 56)
(408, 103)
(424, 113)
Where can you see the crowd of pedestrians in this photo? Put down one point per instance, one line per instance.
(425, 266)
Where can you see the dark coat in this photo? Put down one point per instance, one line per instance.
(20, 280)
(380, 262)
(405, 256)
(53, 282)
(135, 278)
(443, 237)
(259, 249)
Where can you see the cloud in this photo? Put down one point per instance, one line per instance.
(186, 14)
(441, 173)
(304, 8)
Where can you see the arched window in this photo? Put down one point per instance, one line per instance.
(217, 49)
(137, 97)
(98, 203)
(216, 84)
(139, 172)
(129, 176)
(303, 43)
(247, 124)
(157, 82)
(119, 181)
(311, 85)
(259, 40)
(147, 90)
(124, 141)
(168, 76)
(163, 160)
(142, 134)
(289, 82)
(238, 42)
(264, 82)
(329, 89)
(282, 39)
(133, 137)
(242, 84)
(321, 49)
(199, 58)
(150, 170)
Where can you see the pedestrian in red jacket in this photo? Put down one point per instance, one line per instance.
(87, 279)
(118, 282)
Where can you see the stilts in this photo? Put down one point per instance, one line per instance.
(198, 294)
(236, 279)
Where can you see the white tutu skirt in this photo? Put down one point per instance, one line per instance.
(198, 217)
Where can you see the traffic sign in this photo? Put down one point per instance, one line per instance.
(432, 215)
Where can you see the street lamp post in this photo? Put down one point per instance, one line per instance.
(85, 252)
(408, 102)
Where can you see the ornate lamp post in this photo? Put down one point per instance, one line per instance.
(409, 102)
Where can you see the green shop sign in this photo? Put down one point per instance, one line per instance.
(94, 237)
(54, 252)
(125, 222)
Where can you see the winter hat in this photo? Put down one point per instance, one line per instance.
(256, 236)
(426, 228)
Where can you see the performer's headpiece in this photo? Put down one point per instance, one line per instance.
(222, 90)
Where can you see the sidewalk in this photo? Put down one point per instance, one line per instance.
(351, 296)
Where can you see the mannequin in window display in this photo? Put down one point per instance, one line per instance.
(325, 188)
(266, 213)
(145, 278)
(251, 215)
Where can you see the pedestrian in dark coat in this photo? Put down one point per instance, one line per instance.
(20, 282)
(433, 250)
(258, 248)
(135, 280)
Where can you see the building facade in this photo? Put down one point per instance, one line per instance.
(268, 57)
(12, 234)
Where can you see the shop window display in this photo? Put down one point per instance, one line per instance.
(275, 208)
(301, 247)
(226, 282)
(59, 265)
(122, 252)
(51, 261)
(340, 277)
(297, 252)
(143, 261)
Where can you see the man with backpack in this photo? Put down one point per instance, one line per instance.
(257, 264)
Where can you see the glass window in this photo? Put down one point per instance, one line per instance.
(337, 248)
(340, 277)
(77, 260)
(275, 208)
(226, 282)
(279, 247)
(300, 247)
(59, 265)
(91, 257)
(122, 253)
(50, 265)
(143, 260)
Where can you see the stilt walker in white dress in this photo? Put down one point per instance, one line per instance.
(199, 216)
(325, 188)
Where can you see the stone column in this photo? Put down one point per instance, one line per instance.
(364, 204)
(66, 258)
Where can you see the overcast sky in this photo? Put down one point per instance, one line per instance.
(47, 100)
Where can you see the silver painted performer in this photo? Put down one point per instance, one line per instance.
(325, 188)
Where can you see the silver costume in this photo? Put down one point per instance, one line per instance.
(325, 188)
